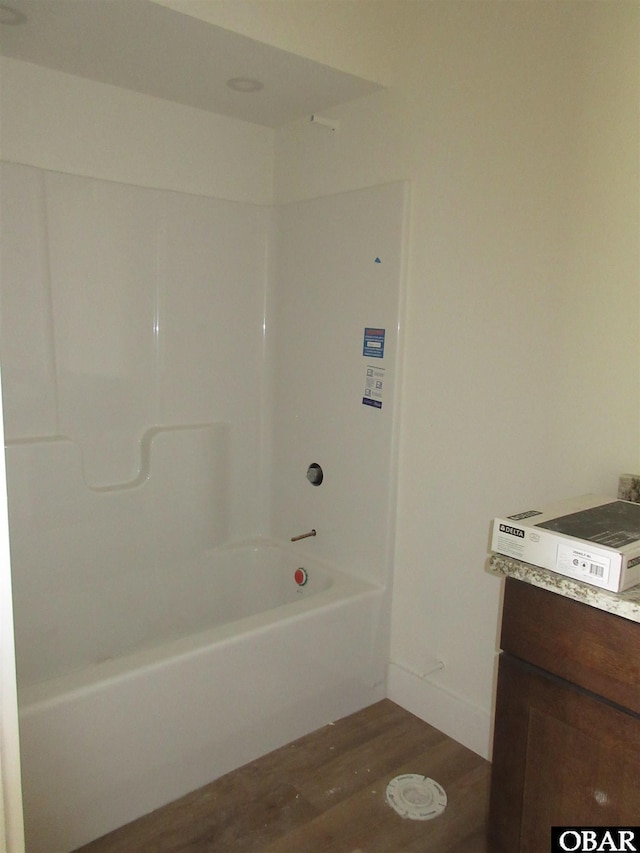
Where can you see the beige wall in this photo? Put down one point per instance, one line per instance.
(517, 125)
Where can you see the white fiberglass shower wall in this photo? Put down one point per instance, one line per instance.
(147, 418)
(172, 364)
(338, 274)
(132, 355)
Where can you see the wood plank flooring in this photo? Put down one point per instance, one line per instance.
(325, 793)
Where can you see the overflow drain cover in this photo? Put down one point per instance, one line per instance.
(416, 797)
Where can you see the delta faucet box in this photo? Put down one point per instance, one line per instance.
(591, 539)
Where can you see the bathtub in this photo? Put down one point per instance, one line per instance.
(252, 661)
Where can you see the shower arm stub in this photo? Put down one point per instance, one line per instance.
(303, 536)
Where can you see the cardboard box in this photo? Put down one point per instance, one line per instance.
(591, 538)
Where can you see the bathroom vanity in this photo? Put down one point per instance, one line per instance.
(567, 719)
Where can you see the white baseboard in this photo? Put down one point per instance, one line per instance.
(452, 715)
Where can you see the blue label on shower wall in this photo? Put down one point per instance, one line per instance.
(373, 346)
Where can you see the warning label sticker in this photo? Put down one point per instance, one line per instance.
(373, 344)
(373, 386)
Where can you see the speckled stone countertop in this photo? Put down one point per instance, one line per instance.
(625, 604)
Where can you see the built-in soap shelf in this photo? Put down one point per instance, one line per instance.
(155, 442)
(64, 532)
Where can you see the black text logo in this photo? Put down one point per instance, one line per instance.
(514, 531)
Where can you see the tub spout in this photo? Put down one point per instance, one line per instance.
(303, 536)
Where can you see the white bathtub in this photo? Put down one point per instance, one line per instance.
(249, 663)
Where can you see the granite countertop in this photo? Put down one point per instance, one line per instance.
(625, 604)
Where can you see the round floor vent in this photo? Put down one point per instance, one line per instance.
(416, 797)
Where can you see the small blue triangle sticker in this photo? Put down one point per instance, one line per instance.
(378, 261)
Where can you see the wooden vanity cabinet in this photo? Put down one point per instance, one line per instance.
(567, 722)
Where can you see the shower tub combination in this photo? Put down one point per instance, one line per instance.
(152, 656)
(107, 743)
(159, 645)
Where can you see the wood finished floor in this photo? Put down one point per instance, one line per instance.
(325, 793)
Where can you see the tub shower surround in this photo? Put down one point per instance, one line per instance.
(157, 448)
(113, 741)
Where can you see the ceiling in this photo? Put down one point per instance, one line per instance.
(140, 45)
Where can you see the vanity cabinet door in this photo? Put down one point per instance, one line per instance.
(562, 757)
(588, 647)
